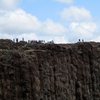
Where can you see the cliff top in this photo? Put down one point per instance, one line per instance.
(6, 44)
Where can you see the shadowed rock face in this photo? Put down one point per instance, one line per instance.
(49, 71)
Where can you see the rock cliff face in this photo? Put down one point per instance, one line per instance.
(49, 71)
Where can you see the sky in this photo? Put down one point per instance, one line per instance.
(63, 21)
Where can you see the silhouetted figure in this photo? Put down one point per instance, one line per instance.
(82, 40)
(29, 41)
(22, 39)
(16, 40)
(50, 42)
(41, 41)
(79, 40)
(13, 40)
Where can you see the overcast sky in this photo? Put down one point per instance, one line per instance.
(58, 20)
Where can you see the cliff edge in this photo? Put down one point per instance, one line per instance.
(49, 71)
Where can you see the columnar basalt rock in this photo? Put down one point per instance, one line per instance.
(50, 71)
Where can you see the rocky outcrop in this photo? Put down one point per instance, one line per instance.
(50, 71)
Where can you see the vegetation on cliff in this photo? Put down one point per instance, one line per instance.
(49, 71)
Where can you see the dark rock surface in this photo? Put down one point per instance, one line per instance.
(49, 71)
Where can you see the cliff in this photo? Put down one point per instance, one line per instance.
(49, 71)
